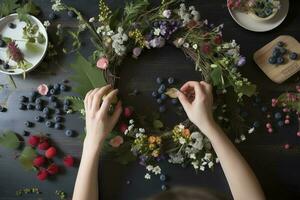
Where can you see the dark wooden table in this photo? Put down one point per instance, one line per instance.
(277, 169)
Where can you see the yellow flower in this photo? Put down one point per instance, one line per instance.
(155, 153)
(151, 139)
(137, 36)
(151, 146)
(105, 12)
(158, 140)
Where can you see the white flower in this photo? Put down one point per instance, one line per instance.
(196, 135)
(243, 137)
(193, 156)
(57, 6)
(237, 140)
(126, 132)
(131, 122)
(210, 164)
(138, 135)
(142, 130)
(198, 145)
(99, 30)
(251, 130)
(149, 167)
(217, 160)
(181, 126)
(176, 158)
(182, 140)
(156, 170)
(233, 43)
(47, 24)
(167, 13)
(186, 45)
(195, 164)
(92, 19)
(130, 127)
(202, 168)
(180, 41)
(195, 46)
(156, 31)
(191, 8)
(207, 156)
(147, 176)
(58, 26)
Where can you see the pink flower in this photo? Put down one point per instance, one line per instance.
(136, 52)
(116, 141)
(123, 127)
(102, 63)
(43, 89)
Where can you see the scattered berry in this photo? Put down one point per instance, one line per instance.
(28, 124)
(159, 80)
(33, 140)
(42, 175)
(39, 161)
(278, 115)
(163, 187)
(171, 80)
(162, 177)
(50, 153)
(63, 88)
(38, 101)
(39, 119)
(53, 169)
(58, 126)
(52, 16)
(49, 124)
(155, 94)
(43, 145)
(162, 109)
(286, 121)
(69, 133)
(56, 86)
(52, 91)
(22, 106)
(268, 125)
(293, 56)
(68, 161)
(38, 107)
(286, 146)
(280, 60)
(12, 25)
(71, 13)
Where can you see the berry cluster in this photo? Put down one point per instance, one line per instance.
(160, 95)
(2, 109)
(44, 162)
(278, 53)
(51, 108)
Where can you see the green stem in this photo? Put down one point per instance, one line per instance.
(11, 80)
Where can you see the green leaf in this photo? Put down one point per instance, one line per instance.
(28, 8)
(6, 39)
(86, 76)
(33, 47)
(157, 124)
(77, 103)
(41, 38)
(27, 156)
(216, 76)
(134, 9)
(7, 7)
(9, 140)
(248, 90)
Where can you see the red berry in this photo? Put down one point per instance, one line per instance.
(123, 127)
(128, 112)
(287, 146)
(42, 175)
(39, 161)
(68, 161)
(51, 152)
(53, 169)
(33, 140)
(43, 146)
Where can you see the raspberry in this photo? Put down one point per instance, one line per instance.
(128, 112)
(68, 161)
(43, 146)
(34, 140)
(42, 175)
(51, 152)
(39, 161)
(123, 127)
(53, 169)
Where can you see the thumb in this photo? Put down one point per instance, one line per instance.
(183, 100)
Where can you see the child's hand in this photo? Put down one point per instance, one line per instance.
(197, 101)
(98, 122)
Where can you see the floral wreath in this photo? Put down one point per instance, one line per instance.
(143, 27)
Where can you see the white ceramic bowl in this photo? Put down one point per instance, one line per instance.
(17, 33)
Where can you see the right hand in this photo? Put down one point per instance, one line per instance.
(197, 101)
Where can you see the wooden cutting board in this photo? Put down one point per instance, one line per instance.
(279, 73)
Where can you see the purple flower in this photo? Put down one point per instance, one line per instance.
(157, 42)
(242, 61)
(136, 52)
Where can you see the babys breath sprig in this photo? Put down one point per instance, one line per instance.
(138, 37)
(105, 13)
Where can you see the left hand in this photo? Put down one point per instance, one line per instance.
(98, 122)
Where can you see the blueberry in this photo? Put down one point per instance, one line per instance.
(32, 98)
(293, 56)
(56, 104)
(280, 60)
(162, 87)
(154, 94)
(1, 61)
(256, 124)
(163, 96)
(276, 53)
(280, 44)
(52, 98)
(128, 182)
(264, 109)
(56, 86)
(28, 124)
(163, 187)
(162, 177)
(52, 16)
(170, 80)
(280, 123)
(2, 43)
(38, 101)
(22, 106)
(39, 119)
(58, 126)
(26, 133)
(272, 60)
(30, 106)
(23, 99)
(159, 80)
(71, 13)
(12, 25)
(282, 50)
(63, 88)
(67, 102)
(52, 91)
(39, 107)
(174, 101)
(278, 115)
(46, 115)
(159, 101)
(49, 124)
(46, 110)
(2, 109)
(58, 111)
(162, 109)
(69, 133)
(6, 66)
(35, 94)
(58, 118)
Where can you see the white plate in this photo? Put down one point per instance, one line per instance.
(16, 34)
(249, 23)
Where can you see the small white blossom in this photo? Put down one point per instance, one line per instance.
(195, 46)
(92, 19)
(207, 156)
(130, 127)
(131, 122)
(126, 132)
(181, 126)
(137, 135)
(147, 176)
(167, 13)
(156, 31)
(243, 137)
(193, 156)
(156, 170)
(251, 130)
(182, 140)
(195, 164)
(202, 168)
(210, 164)
(217, 160)
(142, 130)
(149, 167)
(57, 6)
(47, 24)
(237, 140)
(186, 45)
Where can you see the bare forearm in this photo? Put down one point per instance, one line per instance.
(86, 186)
(241, 179)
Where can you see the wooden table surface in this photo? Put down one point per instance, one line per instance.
(278, 170)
